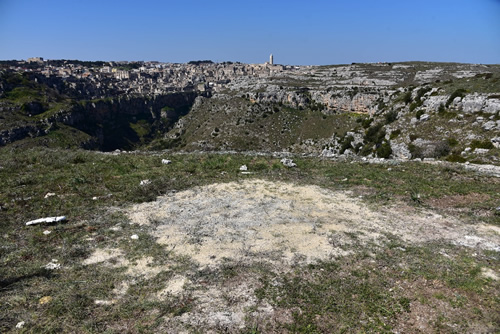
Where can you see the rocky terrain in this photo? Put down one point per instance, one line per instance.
(234, 198)
(402, 110)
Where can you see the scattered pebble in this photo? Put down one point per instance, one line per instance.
(47, 195)
(288, 162)
(47, 232)
(166, 161)
(244, 168)
(145, 182)
(134, 237)
(45, 300)
(104, 302)
(52, 265)
(20, 324)
(94, 198)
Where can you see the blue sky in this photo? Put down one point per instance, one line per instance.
(296, 32)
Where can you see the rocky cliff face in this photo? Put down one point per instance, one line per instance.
(122, 122)
(411, 111)
(405, 110)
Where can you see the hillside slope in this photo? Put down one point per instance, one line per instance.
(421, 110)
(402, 110)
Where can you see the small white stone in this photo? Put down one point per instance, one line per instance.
(481, 151)
(424, 117)
(47, 232)
(52, 265)
(288, 162)
(104, 302)
(145, 182)
(244, 168)
(94, 198)
(134, 237)
(166, 161)
(47, 195)
(20, 324)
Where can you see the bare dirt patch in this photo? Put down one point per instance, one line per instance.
(288, 223)
(279, 225)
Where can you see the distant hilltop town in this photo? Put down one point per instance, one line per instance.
(142, 77)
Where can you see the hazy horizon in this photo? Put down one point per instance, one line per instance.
(318, 33)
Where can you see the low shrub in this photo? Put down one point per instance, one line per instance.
(384, 150)
(366, 122)
(416, 151)
(452, 142)
(413, 106)
(366, 150)
(391, 116)
(457, 93)
(486, 144)
(441, 149)
(346, 143)
(407, 97)
(455, 158)
(375, 134)
(395, 133)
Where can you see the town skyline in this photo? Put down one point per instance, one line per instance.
(319, 33)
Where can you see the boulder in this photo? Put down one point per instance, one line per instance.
(288, 162)
(424, 117)
(473, 103)
(491, 106)
(496, 142)
(481, 151)
(400, 151)
(490, 125)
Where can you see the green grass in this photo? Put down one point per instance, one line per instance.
(78, 176)
(372, 290)
(372, 293)
(243, 125)
(480, 83)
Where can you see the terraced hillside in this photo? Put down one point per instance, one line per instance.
(413, 110)
(404, 110)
